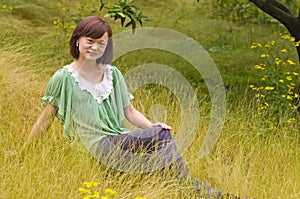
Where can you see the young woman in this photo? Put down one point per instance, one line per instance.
(90, 98)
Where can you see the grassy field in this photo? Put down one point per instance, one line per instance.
(249, 158)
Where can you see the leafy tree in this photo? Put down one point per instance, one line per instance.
(242, 12)
(283, 14)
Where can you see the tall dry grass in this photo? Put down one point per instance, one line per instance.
(249, 159)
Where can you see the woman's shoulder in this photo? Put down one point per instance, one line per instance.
(61, 73)
(113, 68)
(60, 76)
(115, 71)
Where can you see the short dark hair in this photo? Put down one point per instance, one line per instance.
(94, 27)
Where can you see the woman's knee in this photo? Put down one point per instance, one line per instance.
(165, 134)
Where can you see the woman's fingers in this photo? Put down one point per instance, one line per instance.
(162, 125)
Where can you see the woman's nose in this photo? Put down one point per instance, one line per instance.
(94, 46)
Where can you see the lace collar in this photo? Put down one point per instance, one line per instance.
(99, 91)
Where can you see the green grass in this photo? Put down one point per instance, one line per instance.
(249, 158)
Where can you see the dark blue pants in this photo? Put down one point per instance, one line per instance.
(147, 150)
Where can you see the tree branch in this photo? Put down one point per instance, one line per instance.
(280, 6)
(275, 9)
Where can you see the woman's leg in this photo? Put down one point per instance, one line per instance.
(155, 149)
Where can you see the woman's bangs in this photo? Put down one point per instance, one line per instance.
(96, 31)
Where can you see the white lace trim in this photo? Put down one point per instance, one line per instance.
(99, 91)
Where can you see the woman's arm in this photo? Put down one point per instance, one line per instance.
(41, 124)
(139, 120)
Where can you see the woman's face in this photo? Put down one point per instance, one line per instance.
(90, 48)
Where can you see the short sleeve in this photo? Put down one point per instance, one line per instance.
(59, 94)
(120, 85)
(53, 90)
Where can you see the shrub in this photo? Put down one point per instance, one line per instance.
(276, 91)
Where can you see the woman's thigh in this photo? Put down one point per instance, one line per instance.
(141, 140)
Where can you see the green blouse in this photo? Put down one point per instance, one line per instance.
(89, 111)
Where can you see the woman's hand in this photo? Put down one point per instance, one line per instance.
(162, 125)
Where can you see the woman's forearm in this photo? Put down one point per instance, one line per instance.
(41, 124)
(136, 117)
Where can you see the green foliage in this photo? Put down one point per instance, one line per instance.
(71, 12)
(123, 10)
(276, 92)
(243, 11)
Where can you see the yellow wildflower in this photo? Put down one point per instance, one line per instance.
(272, 126)
(296, 74)
(269, 88)
(278, 60)
(266, 104)
(260, 95)
(283, 50)
(281, 81)
(95, 195)
(286, 37)
(264, 55)
(87, 184)
(82, 191)
(262, 107)
(259, 67)
(95, 184)
(296, 95)
(4, 6)
(255, 45)
(289, 78)
(90, 184)
(267, 45)
(292, 39)
(289, 97)
(104, 197)
(293, 107)
(291, 62)
(291, 120)
(110, 192)
(272, 43)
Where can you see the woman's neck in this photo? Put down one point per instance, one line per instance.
(89, 70)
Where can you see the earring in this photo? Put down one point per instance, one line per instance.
(77, 44)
